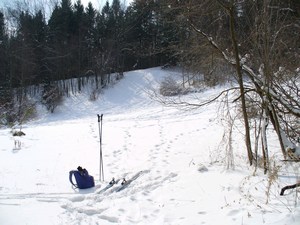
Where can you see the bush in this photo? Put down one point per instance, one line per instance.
(169, 87)
(95, 94)
(51, 97)
(17, 111)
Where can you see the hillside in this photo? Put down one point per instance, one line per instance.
(181, 153)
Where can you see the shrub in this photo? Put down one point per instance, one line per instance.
(94, 94)
(17, 111)
(51, 97)
(169, 87)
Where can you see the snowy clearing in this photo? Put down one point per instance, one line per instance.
(184, 179)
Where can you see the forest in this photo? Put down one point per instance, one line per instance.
(76, 41)
(255, 43)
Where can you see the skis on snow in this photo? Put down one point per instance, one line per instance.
(110, 184)
(124, 184)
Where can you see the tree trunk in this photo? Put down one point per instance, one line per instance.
(241, 85)
(276, 125)
(264, 140)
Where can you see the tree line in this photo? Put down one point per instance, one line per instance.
(77, 41)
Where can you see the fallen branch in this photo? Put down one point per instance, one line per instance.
(289, 187)
(290, 160)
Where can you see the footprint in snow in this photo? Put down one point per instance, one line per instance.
(110, 219)
(78, 198)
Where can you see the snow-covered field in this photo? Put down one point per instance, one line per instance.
(184, 179)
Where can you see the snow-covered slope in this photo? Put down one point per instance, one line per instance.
(184, 179)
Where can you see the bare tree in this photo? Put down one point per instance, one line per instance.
(262, 48)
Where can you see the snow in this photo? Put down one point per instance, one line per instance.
(186, 181)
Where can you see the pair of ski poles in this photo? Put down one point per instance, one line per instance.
(101, 170)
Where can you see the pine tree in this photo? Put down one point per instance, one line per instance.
(61, 31)
(5, 94)
(78, 40)
(151, 33)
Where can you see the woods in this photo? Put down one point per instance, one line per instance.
(77, 41)
(253, 43)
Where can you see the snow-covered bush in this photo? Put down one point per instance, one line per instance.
(94, 95)
(51, 97)
(169, 87)
(17, 111)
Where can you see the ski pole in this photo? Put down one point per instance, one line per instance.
(101, 157)
(101, 170)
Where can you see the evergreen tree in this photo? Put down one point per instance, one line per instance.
(78, 38)
(150, 33)
(23, 56)
(118, 34)
(5, 87)
(40, 47)
(110, 36)
(61, 30)
(90, 38)
(2, 28)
